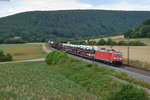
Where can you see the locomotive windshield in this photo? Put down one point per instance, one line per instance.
(117, 54)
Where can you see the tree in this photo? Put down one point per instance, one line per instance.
(42, 25)
(109, 41)
(55, 56)
(101, 42)
(128, 33)
(9, 57)
(145, 30)
(3, 57)
(25, 35)
(146, 22)
(148, 35)
(128, 92)
(1, 40)
(122, 43)
(136, 43)
(142, 31)
(113, 43)
(91, 43)
(13, 41)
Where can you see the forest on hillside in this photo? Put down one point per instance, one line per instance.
(37, 26)
(143, 31)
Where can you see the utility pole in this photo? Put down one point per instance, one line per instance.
(128, 51)
(93, 41)
(93, 47)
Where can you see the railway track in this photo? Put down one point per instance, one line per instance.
(136, 70)
(131, 71)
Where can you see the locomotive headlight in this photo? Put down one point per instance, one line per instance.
(120, 58)
(115, 58)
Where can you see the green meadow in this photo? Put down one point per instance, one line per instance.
(23, 51)
(38, 81)
(66, 78)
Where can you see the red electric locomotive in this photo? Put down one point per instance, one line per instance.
(106, 56)
(109, 56)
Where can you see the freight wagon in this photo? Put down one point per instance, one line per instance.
(93, 53)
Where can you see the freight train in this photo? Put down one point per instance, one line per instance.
(106, 56)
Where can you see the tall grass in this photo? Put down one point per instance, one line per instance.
(37, 81)
(90, 76)
(137, 63)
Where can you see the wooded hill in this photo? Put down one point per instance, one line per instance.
(143, 31)
(44, 25)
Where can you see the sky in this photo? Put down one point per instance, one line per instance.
(10, 7)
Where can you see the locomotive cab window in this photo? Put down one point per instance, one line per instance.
(117, 54)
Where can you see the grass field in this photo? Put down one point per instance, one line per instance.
(94, 78)
(23, 51)
(140, 53)
(121, 37)
(68, 79)
(37, 81)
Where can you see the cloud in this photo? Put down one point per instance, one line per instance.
(17, 6)
(99, 2)
(107, 2)
(118, 4)
(32, 5)
(139, 2)
(54, 4)
(125, 6)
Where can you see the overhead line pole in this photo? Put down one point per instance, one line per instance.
(128, 51)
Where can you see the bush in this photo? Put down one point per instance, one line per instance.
(131, 43)
(101, 42)
(122, 43)
(136, 43)
(55, 56)
(9, 57)
(3, 57)
(114, 43)
(91, 43)
(1, 40)
(109, 41)
(14, 41)
(78, 42)
(128, 92)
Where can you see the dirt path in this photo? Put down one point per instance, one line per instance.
(45, 49)
(32, 60)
